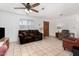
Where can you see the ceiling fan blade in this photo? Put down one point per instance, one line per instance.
(36, 4)
(19, 8)
(27, 5)
(34, 10)
(24, 4)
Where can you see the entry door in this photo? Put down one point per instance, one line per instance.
(46, 28)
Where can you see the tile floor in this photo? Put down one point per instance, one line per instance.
(47, 47)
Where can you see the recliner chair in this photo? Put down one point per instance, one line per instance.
(64, 34)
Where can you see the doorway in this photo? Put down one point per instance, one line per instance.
(46, 28)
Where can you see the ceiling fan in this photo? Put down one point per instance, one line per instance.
(29, 7)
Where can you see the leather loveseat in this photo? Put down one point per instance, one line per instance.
(26, 36)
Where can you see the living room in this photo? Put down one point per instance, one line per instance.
(60, 16)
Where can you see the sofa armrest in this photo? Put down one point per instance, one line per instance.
(39, 33)
(20, 35)
(5, 41)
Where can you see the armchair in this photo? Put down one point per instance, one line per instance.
(65, 34)
(4, 45)
(69, 43)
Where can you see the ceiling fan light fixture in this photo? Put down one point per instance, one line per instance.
(27, 11)
(30, 10)
(28, 7)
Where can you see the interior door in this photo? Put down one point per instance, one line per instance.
(46, 28)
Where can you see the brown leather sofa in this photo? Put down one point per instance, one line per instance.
(26, 36)
(69, 43)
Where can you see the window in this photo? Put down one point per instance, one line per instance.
(26, 24)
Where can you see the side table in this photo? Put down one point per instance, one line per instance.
(57, 34)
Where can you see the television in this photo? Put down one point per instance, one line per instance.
(2, 32)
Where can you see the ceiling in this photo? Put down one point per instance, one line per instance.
(51, 10)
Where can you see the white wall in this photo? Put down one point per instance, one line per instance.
(11, 23)
(52, 26)
(69, 22)
(77, 25)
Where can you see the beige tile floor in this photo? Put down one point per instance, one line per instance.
(49, 46)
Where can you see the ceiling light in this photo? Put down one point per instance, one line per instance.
(26, 11)
(30, 10)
